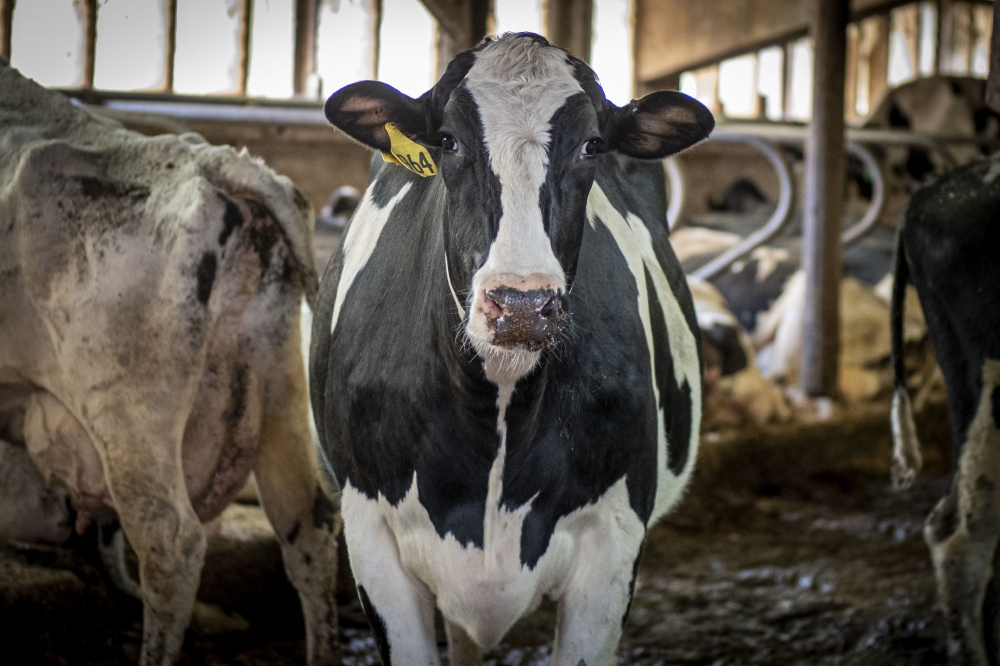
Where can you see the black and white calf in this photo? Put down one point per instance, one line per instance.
(949, 246)
(505, 362)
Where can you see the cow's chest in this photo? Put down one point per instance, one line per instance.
(488, 588)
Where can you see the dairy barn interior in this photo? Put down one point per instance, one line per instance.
(800, 537)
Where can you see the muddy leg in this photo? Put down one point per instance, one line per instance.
(303, 511)
(157, 518)
(963, 529)
(463, 651)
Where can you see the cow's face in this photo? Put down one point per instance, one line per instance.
(518, 127)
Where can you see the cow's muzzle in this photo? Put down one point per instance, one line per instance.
(532, 319)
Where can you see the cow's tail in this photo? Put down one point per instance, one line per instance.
(906, 458)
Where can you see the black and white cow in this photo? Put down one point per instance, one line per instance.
(505, 363)
(949, 246)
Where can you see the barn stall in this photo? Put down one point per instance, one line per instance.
(790, 545)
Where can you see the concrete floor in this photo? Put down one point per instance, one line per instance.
(790, 548)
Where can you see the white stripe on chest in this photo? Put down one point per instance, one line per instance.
(636, 245)
(360, 241)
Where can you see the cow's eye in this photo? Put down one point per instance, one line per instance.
(591, 148)
(448, 143)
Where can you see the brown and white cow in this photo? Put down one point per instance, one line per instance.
(149, 345)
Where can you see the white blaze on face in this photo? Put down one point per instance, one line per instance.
(518, 86)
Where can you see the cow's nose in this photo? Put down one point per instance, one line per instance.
(530, 318)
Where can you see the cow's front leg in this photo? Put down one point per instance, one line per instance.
(594, 604)
(303, 511)
(963, 529)
(399, 607)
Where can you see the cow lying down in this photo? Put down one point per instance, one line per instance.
(150, 357)
(766, 293)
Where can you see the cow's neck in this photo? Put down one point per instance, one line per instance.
(473, 378)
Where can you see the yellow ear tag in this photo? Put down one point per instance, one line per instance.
(408, 154)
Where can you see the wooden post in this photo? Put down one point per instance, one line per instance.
(89, 42)
(246, 15)
(786, 80)
(993, 83)
(824, 192)
(305, 45)
(568, 24)
(6, 19)
(944, 37)
(170, 45)
(461, 24)
(376, 7)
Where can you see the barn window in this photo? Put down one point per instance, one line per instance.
(611, 49)
(208, 46)
(800, 94)
(903, 41)
(406, 55)
(703, 85)
(131, 53)
(518, 16)
(47, 41)
(738, 86)
(770, 74)
(982, 24)
(272, 49)
(345, 48)
(928, 38)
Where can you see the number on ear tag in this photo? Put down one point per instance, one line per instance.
(408, 154)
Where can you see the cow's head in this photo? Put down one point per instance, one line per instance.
(516, 127)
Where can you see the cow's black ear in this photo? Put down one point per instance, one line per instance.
(658, 125)
(362, 109)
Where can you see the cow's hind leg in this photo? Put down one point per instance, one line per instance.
(157, 517)
(303, 511)
(399, 607)
(963, 529)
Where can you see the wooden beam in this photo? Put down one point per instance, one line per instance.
(786, 80)
(461, 24)
(993, 83)
(824, 204)
(170, 46)
(668, 43)
(306, 12)
(568, 23)
(246, 15)
(89, 42)
(6, 19)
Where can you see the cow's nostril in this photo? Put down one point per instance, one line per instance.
(552, 307)
(491, 308)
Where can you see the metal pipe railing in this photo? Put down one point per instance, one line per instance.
(778, 220)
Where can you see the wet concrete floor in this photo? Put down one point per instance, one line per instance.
(789, 549)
